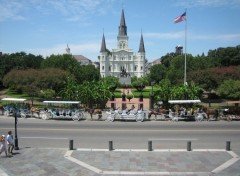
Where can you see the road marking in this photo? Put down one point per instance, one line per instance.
(172, 139)
(125, 130)
(92, 168)
(227, 163)
(44, 138)
(2, 173)
(98, 171)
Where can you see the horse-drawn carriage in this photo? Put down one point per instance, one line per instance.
(15, 106)
(162, 113)
(62, 110)
(179, 110)
(232, 112)
(185, 110)
(125, 114)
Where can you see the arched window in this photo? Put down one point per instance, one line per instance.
(102, 67)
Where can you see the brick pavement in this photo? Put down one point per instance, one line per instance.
(91, 162)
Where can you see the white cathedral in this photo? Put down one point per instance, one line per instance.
(122, 61)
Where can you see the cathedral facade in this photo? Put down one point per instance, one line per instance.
(122, 61)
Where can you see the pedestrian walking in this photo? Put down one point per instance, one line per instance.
(10, 143)
(3, 145)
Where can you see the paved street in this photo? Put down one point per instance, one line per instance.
(44, 148)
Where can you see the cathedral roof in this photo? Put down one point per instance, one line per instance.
(122, 28)
(141, 46)
(103, 46)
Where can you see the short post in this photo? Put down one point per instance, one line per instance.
(228, 145)
(71, 144)
(110, 145)
(189, 146)
(150, 146)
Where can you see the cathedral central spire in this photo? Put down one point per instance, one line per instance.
(122, 28)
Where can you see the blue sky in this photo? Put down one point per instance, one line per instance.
(45, 27)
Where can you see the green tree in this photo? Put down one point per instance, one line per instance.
(157, 73)
(18, 61)
(69, 63)
(163, 91)
(176, 70)
(94, 93)
(70, 90)
(140, 83)
(87, 73)
(27, 80)
(112, 81)
(229, 89)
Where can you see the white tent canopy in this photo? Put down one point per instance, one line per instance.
(14, 99)
(62, 102)
(183, 101)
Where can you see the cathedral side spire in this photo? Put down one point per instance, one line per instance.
(103, 46)
(68, 49)
(122, 28)
(141, 46)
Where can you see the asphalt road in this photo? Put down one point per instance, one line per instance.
(125, 135)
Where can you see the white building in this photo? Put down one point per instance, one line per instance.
(81, 59)
(122, 59)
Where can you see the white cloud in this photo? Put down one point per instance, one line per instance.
(223, 37)
(207, 3)
(10, 10)
(90, 50)
(169, 35)
(190, 35)
(70, 10)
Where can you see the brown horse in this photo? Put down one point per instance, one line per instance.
(210, 112)
(157, 112)
(93, 111)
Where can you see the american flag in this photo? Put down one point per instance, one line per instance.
(180, 18)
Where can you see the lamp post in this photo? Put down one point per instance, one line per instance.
(16, 137)
(152, 96)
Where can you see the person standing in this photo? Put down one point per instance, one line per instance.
(10, 143)
(3, 146)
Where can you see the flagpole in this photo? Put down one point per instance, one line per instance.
(185, 59)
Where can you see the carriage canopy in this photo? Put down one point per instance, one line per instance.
(62, 102)
(183, 101)
(14, 99)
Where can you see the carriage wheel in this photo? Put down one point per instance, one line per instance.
(81, 115)
(78, 116)
(6, 113)
(140, 118)
(110, 118)
(230, 117)
(23, 115)
(45, 116)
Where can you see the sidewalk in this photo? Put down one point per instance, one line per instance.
(93, 162)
